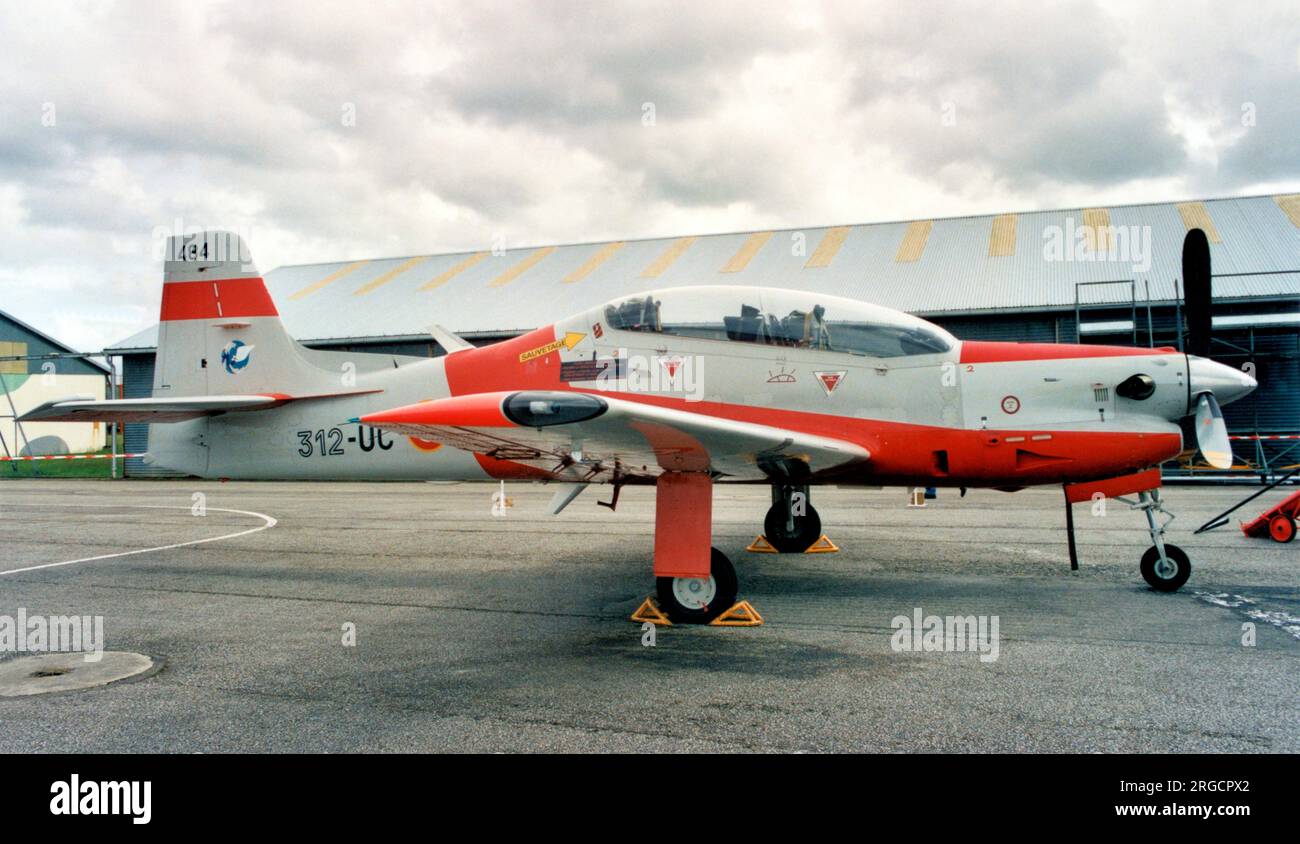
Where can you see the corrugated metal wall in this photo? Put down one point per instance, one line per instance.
(137, 383)
(1025, 328)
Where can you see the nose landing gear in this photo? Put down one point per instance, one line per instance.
(1164, 567)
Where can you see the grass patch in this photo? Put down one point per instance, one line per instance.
(97, 468)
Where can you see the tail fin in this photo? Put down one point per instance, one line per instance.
(219, 331)
(221, 346)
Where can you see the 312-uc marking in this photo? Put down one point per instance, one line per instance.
(329, 441)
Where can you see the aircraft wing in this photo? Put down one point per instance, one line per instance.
(591, 437)
(173, 409)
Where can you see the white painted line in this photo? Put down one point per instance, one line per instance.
(270, 522)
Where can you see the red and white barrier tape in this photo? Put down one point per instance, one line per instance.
(1265, 437)
(71, 457)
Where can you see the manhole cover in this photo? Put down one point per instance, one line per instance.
(64, 672)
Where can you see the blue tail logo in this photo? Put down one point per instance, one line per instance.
(236, 356)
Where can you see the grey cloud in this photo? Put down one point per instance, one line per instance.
(581, 64)
(1043, 94)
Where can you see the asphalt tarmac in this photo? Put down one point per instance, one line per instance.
(475, 632)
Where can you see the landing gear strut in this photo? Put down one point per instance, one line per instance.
(699, 600)
(791, 525)
(1165, 567)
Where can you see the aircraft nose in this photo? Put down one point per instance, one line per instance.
(1227, 384)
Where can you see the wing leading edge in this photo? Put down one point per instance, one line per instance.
(592, 437)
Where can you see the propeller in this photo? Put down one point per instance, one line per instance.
(1196, 292)
(1211, 433)
(1208, 379)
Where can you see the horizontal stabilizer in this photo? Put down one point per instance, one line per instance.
(172, 409)
(450, 341)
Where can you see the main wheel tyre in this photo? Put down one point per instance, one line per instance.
(1166, 575)
(807, 530)
(1282, 528)
(699, 600)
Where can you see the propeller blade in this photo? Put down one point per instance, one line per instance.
(1196, 292)
(1211, 433)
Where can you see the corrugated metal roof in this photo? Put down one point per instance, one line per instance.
(963, 265)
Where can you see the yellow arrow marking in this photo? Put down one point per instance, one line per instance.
(571, 339)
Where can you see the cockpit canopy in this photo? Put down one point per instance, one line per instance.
(774, 317)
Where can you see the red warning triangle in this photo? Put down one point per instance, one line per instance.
(831, 380)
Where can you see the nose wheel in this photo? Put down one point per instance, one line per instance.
(699, 600)
(791, 524)
(1164, 567)
(1167, 573)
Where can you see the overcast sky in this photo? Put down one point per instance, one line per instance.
(327, 131)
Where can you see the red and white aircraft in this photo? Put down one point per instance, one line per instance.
(680, 388)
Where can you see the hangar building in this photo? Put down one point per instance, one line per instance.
(38, 373)
(1105, 275)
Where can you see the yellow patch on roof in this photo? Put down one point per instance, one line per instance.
(828, 247)
(1196, 216)
(597, 258)
(389, 276)
(1096, 228)
(329, 279)
(914, 241)
(747, 251)
(1002, 237)
(446, 276)
(1290, 206)
(522, 267)
(665, 260)
(13, 349)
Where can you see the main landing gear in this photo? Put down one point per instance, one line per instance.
(1164, 567)
(699, 600)
(791, 525)
(695, 582)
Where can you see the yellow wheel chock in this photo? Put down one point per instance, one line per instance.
(649, 611)
(822, 546)
(742, 614)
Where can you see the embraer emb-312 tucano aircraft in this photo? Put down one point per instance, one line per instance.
(681, 388)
